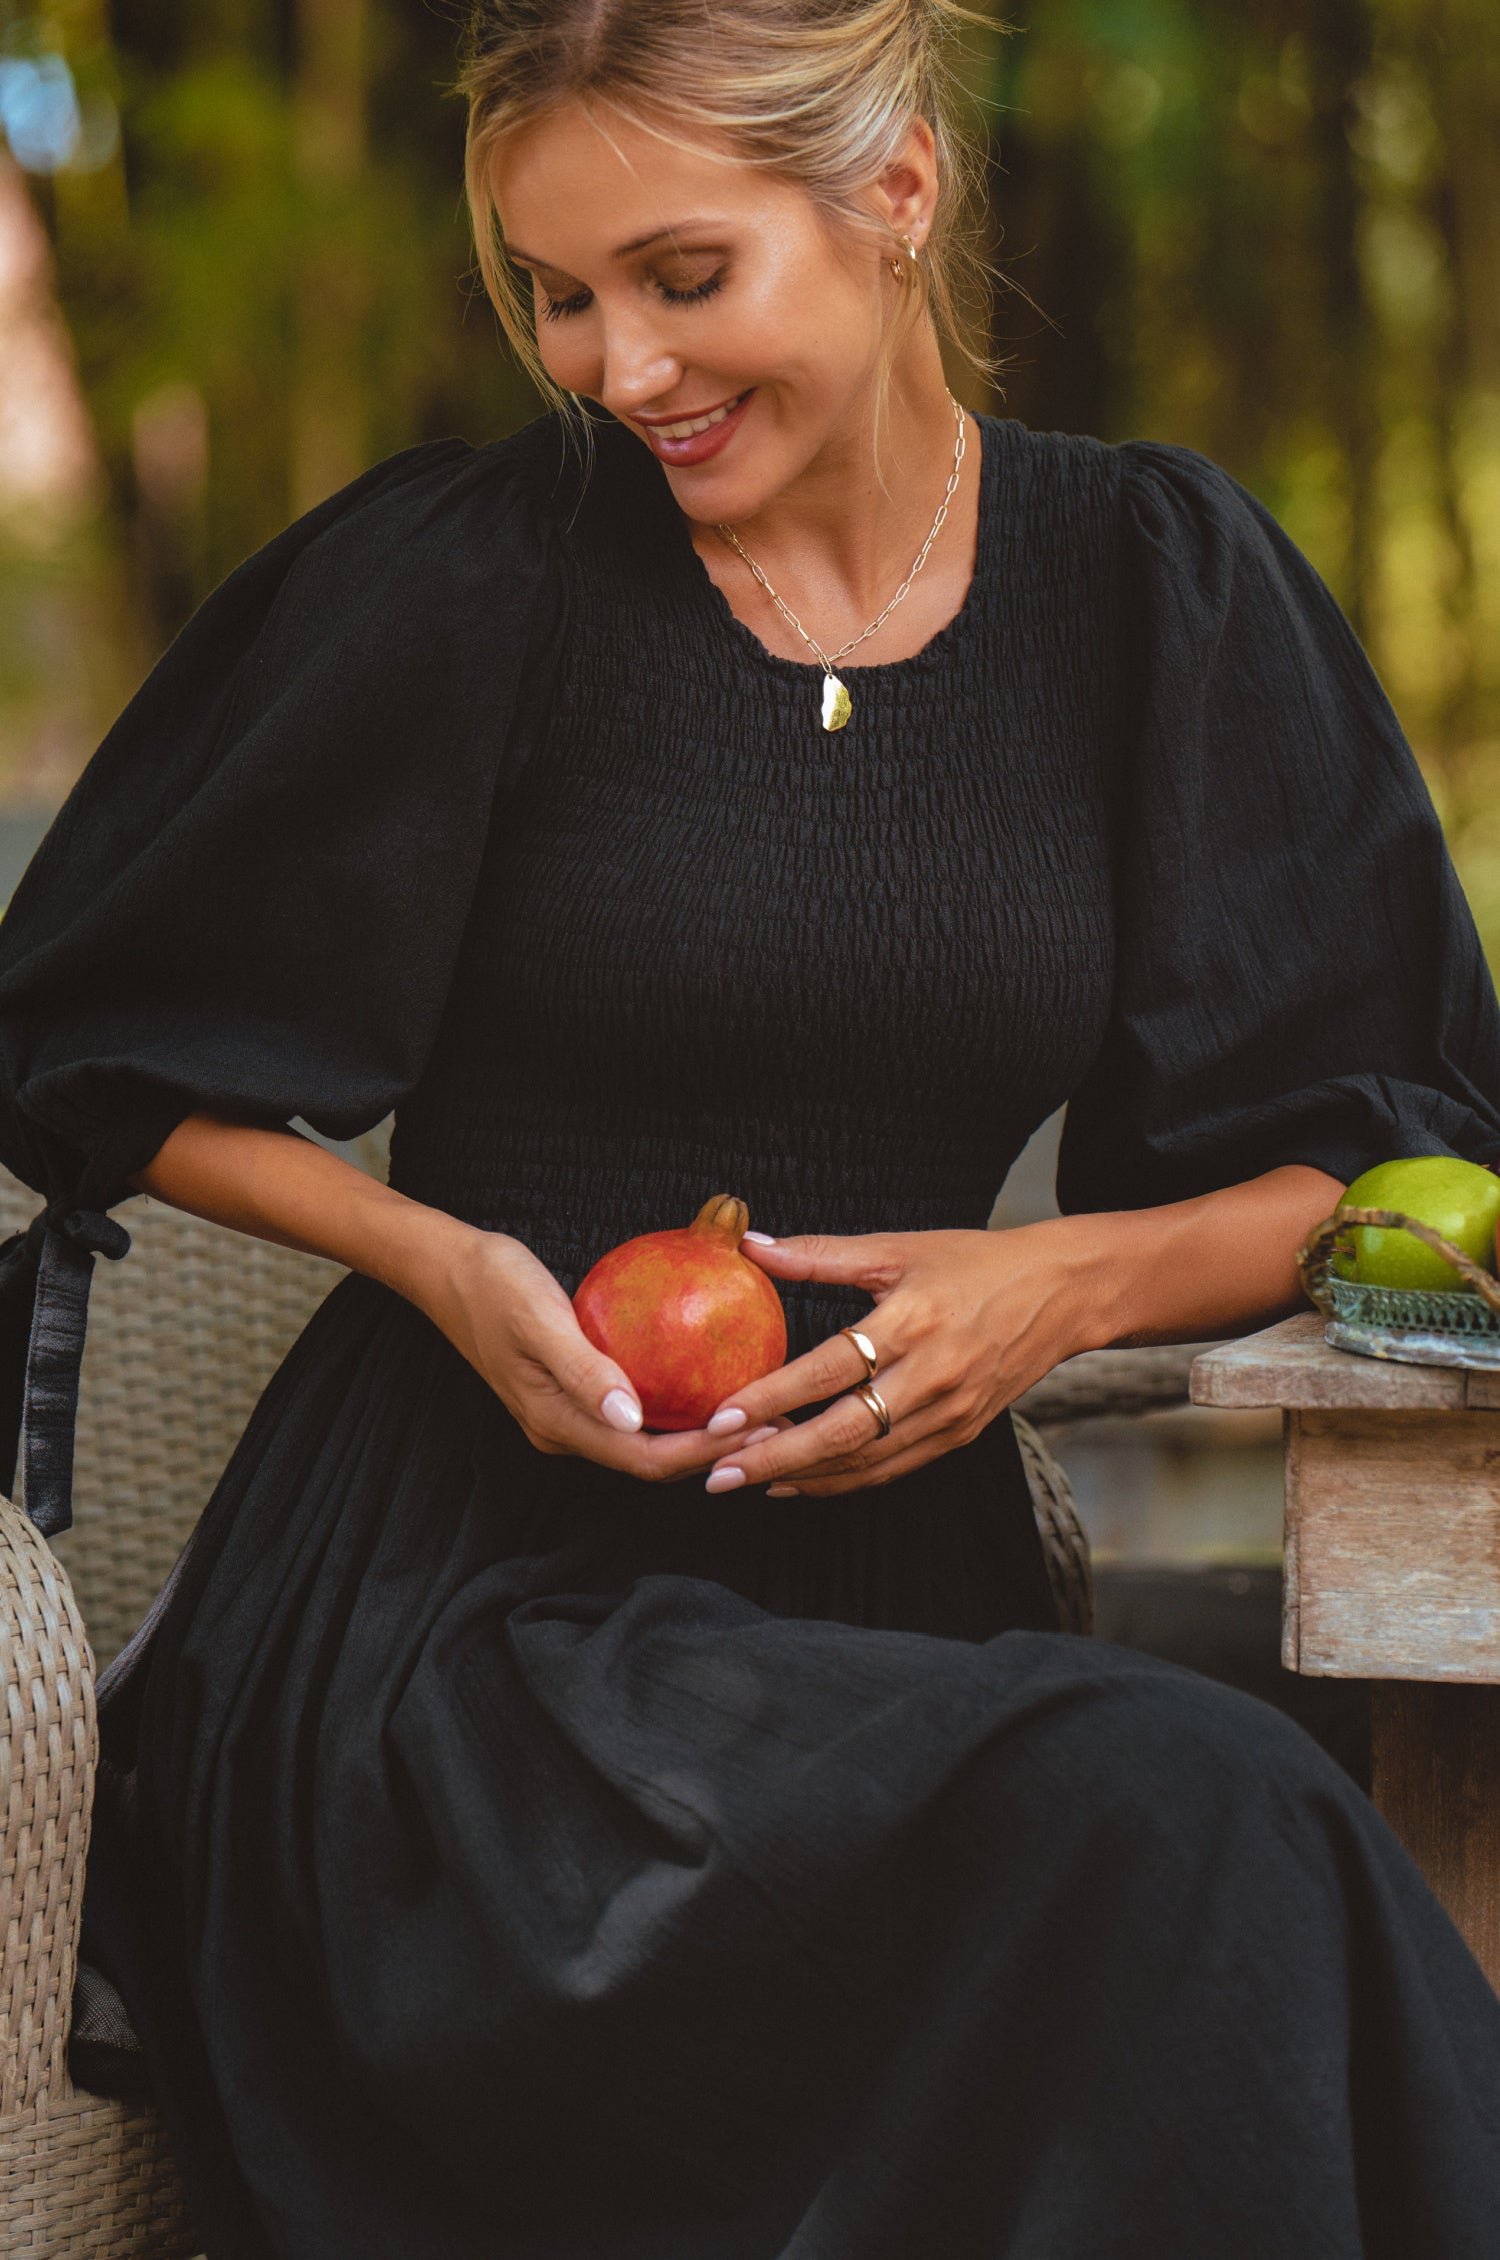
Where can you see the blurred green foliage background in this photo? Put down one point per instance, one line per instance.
(235, 270)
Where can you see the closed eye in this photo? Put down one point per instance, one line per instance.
(692, 297)
(553, 309)
(557, 309)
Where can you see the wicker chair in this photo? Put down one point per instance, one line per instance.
(182, 1337)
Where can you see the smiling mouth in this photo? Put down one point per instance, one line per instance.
(690, 426)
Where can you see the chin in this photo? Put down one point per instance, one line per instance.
(726, 491)
(750, 467)
(723, 499)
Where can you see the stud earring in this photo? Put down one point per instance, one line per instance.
(905, 270)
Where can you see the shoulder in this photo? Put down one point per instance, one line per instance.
(1152, 491)
(439, 535)
(447, 511)
(1189, 544)
(442, 496)
(1061, 481)
(1210, 561)
(1186, 513)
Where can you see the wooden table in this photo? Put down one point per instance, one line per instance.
(1392, 1574)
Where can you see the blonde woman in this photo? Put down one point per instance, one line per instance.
(526, 1835)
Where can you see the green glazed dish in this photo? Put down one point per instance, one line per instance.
(1416, 1325)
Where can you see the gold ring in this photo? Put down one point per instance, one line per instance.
(872, 1397)
(865, 1347)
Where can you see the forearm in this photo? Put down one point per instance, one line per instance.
(283, 1187)
(1195, 1270)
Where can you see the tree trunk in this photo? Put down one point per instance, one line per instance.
(330, 396)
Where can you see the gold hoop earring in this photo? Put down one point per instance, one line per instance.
(905, 270)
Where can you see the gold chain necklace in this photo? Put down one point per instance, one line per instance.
(837, 705)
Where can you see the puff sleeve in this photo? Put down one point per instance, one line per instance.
(252, 900)
(1298, 977)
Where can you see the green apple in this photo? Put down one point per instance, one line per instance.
(1457, 1198)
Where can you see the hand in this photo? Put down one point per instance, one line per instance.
(501, 1306)
(963, 1323)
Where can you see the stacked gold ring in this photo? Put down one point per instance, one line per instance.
(866, 1393)
(871, 1396)
(865, 1347)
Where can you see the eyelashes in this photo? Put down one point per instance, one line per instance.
(555, 309)
(693, 297)
(558, 309)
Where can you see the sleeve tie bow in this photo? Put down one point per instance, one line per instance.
(45, 1272)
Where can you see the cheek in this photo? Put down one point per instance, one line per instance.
(820, 321)
(569, 350)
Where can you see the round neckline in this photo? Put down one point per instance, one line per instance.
(939, 644)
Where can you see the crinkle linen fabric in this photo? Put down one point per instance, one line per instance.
(506, 1860)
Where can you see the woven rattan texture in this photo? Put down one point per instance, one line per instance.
(1111, 1384)
(184, 1332)
(47, 1754)
(81, 2178)
(1064, 1540)
(90, 2179)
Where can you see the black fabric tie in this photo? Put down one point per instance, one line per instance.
(44, 1299)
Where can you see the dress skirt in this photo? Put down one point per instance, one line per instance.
(506, 1860)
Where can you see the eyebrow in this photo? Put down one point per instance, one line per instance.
(621, 251)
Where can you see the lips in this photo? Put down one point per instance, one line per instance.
(688, 440)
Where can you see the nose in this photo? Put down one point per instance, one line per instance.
(640, 368)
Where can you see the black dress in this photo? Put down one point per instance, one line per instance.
(507, 1860)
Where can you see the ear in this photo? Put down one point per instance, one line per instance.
(905, 193)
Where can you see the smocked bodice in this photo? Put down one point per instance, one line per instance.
(716, 948)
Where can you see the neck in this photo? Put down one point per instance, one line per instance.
(850, 524)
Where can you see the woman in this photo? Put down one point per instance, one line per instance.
(525, 1834)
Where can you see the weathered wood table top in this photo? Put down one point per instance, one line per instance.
(1392, 1508)
(1392, 1574)
(1291, 1365)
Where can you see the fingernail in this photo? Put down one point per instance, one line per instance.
(759, 1435)
(781, 1491)
(725, 1479)
(765, 1239)
(722, 1422)
(621, 1411)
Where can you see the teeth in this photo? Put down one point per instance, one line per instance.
(698, 423)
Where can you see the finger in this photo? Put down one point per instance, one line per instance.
(668, 1455)
(835, 1365)
(597, 1385)
(867, 1259)
(938, 1426)
(848, 1428)
(556, 1424)
(913, 1455)
(670, 1469)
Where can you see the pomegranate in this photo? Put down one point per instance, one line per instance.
(686, 1315)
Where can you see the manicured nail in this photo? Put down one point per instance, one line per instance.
(725, 1479)
(621, 1411)
(782, 1491)
(765, 1239)
(723, 1422)
(760, 1435)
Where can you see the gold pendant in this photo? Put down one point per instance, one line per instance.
(837, 705)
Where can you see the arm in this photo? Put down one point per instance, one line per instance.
(1191, 1271)
(496, 1303)
(282, 1187)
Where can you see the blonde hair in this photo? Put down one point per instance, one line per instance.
(823, 92)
